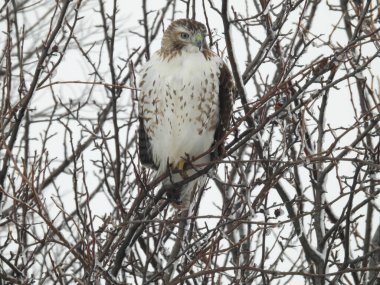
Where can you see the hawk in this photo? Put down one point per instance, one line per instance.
(185, 106)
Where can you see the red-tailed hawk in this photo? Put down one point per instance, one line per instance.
(185, 105)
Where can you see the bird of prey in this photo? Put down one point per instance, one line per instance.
(185, 107)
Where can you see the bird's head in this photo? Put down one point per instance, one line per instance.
(184, 35)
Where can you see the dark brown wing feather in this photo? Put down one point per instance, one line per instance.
(145, 148)
(226, 99)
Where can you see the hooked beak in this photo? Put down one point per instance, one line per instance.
(199, 40)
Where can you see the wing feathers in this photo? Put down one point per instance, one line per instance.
(226, 98)
(145, 149)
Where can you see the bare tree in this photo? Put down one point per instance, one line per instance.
(294, 199)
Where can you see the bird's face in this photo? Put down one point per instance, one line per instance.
(191, 40)
(184, 35)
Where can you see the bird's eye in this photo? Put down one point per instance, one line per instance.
(185, 36)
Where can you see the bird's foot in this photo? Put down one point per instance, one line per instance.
(181, 167)
(181, 164)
